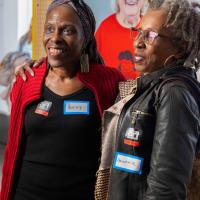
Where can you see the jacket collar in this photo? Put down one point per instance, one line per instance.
(144, 81)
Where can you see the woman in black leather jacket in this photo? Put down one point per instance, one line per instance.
(150, 136)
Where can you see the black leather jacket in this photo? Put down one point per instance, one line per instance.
(158, 132)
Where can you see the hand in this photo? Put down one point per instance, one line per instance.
(26, 66)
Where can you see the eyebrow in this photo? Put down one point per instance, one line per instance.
(60, 24)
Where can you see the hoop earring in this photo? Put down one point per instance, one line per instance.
(84, 63)
(168, 59)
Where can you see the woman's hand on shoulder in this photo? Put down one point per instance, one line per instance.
(26, 66)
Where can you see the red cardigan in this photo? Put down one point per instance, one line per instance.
(103, 81)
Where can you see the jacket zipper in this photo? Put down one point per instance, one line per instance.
(138, 112)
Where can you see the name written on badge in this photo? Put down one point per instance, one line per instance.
(76, 107)
(128, 163)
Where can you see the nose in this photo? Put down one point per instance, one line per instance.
(56, 37)
(139, 43)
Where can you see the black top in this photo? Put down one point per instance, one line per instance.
(62, 147)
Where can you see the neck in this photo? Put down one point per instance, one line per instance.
(126, 22)
(63, 73)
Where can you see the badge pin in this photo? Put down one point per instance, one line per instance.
(132, 134)
(43, 108)
(132, 137)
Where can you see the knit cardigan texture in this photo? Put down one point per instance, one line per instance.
(103, 82)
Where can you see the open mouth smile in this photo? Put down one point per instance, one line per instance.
(54, 51)
(138, 59)
(131, 2)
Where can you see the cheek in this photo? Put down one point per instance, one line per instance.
(121, 5)
(151, 63)
(45, 40)
(151, 55)
(79, 42)
(151, 60)
(141, 4)
(154, 62)
(75, 43)
(148, 64)
(155, 55)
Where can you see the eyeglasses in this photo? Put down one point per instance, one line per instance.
(148, 36)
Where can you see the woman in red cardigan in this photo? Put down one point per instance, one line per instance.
(54, 135)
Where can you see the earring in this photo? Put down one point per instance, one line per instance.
(84, 62)
(168, 59)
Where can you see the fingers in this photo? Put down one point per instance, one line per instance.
(27, 67)
(38, 62)
(20, 70)
(14, 79)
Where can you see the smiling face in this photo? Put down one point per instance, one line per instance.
(130, 8)
(151, 57)
(63, 36)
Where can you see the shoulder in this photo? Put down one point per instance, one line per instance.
(103, 72)
(170, 84)
(176, 99)
(102, 77)
(179, 77)
(178, 82)
(41, 68)
(21, 87)
(39, 71)
(177, 92)
(106, 22)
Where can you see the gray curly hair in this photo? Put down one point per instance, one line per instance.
(184, 18)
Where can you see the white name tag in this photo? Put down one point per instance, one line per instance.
(128, 163)
(76, 107)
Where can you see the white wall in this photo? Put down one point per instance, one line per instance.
(101, 9)
(1, 32)
(15, 19)
(8, 24)
(24, 16)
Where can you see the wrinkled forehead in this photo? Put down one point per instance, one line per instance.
(63, 13)
(154, 19)
(57, 3)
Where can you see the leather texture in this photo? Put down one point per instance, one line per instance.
(165, 112)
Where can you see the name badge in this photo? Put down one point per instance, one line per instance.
(43, 108)
(128, 163)
(76, 107)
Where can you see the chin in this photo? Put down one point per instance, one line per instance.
(132, 11)
(54, 63)
(141, 68)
